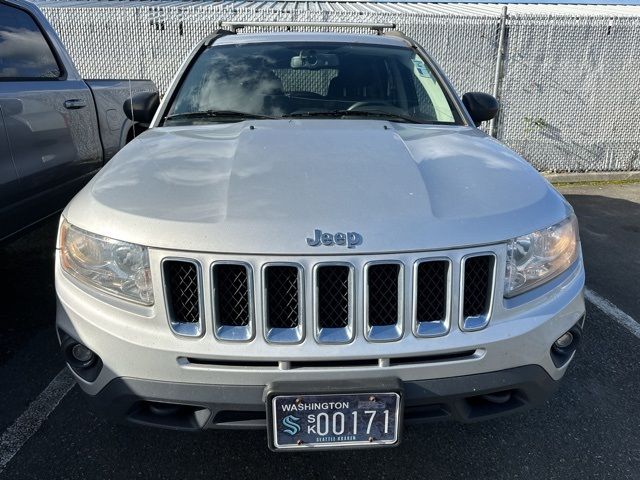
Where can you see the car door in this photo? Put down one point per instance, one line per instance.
(50, 116)
(9, 185)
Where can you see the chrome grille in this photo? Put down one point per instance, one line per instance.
(332, 283)
(282, 296)
(377, 298)
(231, 295)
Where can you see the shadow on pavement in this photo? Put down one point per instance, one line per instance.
(28, 294)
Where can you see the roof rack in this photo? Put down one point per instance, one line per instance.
(378, 27)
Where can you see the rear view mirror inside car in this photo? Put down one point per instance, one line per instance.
(310, 59)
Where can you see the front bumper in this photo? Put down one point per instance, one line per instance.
(149, 375)
(188, 406)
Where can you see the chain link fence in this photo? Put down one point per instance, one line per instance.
(565, 84)
(567, 92)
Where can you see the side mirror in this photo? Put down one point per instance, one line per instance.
(481, 106)
(141, 107)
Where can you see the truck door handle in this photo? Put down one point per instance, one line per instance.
(74, 104)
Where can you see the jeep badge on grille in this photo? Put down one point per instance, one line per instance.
(350, 239)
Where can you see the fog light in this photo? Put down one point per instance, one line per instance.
(565, 346)
(82, 355)
(82, 360)
(564, 341)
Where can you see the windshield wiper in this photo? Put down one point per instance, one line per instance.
(216, 114)
(356, 113)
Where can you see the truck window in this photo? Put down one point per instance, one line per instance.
(24, 51)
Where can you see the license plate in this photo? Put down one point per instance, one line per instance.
(336, 420)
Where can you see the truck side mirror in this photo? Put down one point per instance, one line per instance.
(481, 106)
(141, 107)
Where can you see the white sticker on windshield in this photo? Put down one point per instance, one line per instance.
(421, 68)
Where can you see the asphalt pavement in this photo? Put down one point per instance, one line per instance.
(589, 429)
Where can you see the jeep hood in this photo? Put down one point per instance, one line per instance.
(265, 186)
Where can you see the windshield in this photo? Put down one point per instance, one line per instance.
(287, 80)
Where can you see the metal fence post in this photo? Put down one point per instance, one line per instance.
(499, 75)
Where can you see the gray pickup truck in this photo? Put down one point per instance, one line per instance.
(56, 129)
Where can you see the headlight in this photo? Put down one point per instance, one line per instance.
(116, 267)
(538, 257)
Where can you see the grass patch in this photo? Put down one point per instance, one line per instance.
(595, 183)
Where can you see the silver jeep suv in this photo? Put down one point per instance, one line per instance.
(314, 237)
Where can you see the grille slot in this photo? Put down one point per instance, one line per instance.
(282, 288)
(231, 295)
(210, 362)
(369, 362)
(431, 297)
(383, 290)
(445, 357)
(182, 281)
(333, 285)
(432, 291)
(477, 291)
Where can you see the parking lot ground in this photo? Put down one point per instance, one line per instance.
(589, 429)
(609, 218)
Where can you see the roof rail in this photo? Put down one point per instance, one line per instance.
(378, 27)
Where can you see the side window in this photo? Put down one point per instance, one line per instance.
(24, 52)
